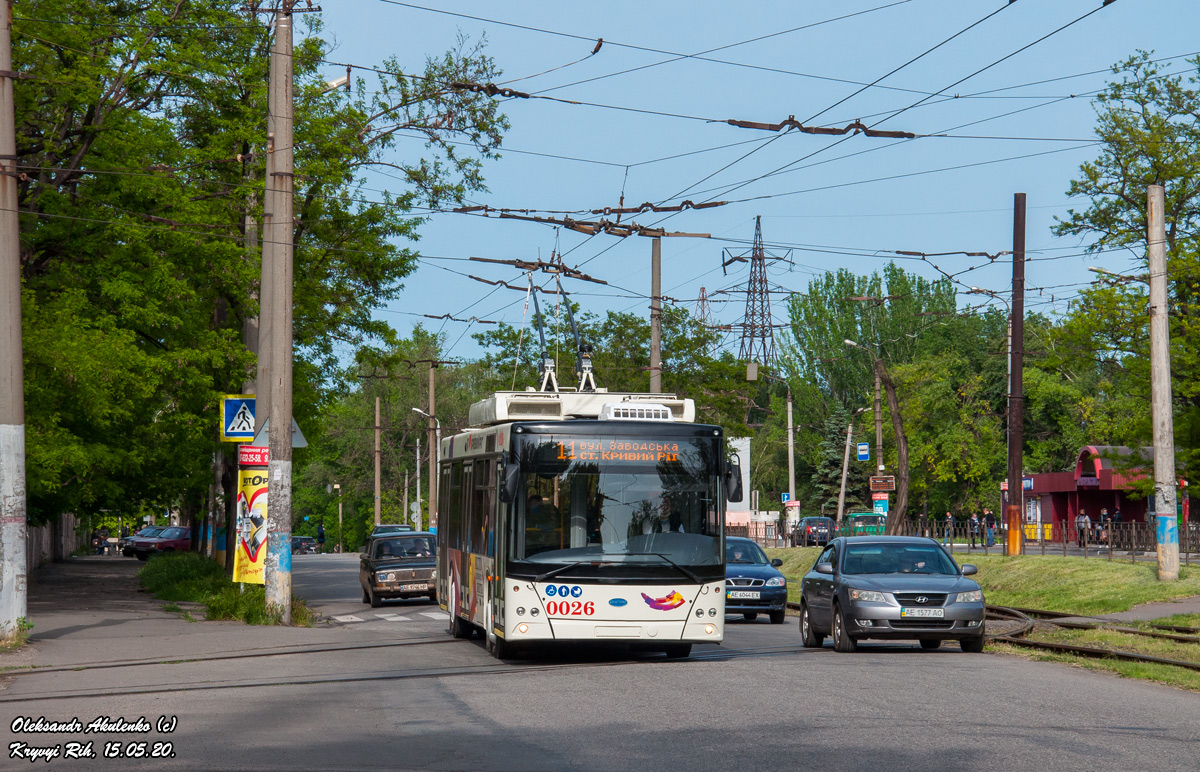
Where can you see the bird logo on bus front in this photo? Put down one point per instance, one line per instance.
(665, 603)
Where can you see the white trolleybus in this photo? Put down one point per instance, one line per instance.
(584, 516)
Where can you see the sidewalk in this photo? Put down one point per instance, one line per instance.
(93, 610)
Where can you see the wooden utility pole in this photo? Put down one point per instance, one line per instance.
(433, 448)
(277, 276)
(378, 500)
(13, 515)
(1165, 478)
(656, 316)
(1016, 494)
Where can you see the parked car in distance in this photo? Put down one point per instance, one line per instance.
(890, 587)
(753, 584)
(812, 532)
(168, 539)
(304, 544)
(867, 524)
(381, 530)
(125, 544)
(398, 565)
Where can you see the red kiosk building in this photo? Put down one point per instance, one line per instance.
(1101, 480)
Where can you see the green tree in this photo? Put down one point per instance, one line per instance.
(141, 133)
(1148, 122)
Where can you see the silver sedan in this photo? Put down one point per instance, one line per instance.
(890, 587)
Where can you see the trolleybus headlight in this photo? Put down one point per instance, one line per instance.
(520, 611)
(522, 628)
(710, 629)
(712, 612)
(533, 612)
(699, 612)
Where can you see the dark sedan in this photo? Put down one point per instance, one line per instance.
(812, 532)
(125, 544)
(753, 584)
(890, 587)
(398, 566)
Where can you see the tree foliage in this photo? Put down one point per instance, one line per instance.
(141, 133)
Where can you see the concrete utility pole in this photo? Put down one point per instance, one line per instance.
(378, 499)
(1165, 478)
(845, 469)
(339, 490)
(418, 474)
(434, 449)
(656, 316)
(13, 517)
(791, 443)
(278, 277)
(1016, 493)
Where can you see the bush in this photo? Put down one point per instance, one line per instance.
(188, 576)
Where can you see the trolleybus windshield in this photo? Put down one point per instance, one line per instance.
(617, 504)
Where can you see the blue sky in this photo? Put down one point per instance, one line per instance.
(835, 201)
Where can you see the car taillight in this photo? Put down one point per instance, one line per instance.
(810, 529)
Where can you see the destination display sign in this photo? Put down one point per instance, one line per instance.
(883, 483)
(618, 450)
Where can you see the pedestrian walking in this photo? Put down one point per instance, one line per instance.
(948, 534)
(974, 527)
(1083, 524)
(320, 537)
(989, 521)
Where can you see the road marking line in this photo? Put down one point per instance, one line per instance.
(433, 615)
(348, 618)
(392, 617)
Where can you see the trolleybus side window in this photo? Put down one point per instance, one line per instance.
(483, 507)
(454, 508)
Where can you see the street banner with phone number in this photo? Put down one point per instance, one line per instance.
(251, 553)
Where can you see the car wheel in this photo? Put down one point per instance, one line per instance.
(374, 599)
(678, 650)
(142, 557)
(778, 617)
(812, 639)
(750, 616)
(930, 643)
(433, 597)
(842, 641)
(972, 645)
(366, 595)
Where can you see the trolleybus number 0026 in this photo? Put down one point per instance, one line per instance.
(570, 608)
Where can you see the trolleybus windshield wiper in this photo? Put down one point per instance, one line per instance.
(682, 570)
(568, 567)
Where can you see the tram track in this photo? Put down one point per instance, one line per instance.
(411, 674)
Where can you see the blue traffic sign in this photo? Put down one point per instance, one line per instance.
(786, 497)
(864, 451)
(237, 417)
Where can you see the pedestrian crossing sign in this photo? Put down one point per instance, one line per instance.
(237, 418)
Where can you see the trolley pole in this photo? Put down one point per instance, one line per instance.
(13, 571)
(1165, 478)
(656, 316)
(278, 234)
(1016, 494)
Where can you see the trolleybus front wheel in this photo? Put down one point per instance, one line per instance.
(459, 627)
(678, 650)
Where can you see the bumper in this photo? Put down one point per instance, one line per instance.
(769, 599)
(877, 620)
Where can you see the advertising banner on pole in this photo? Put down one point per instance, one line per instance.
(251, 553)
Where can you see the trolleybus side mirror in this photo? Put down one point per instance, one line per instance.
(509, 483)
(733, 481)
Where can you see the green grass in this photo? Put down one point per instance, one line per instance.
(189, 577)
(1084, 586)
(1181, 678)
(1179, 620)
(20, 636)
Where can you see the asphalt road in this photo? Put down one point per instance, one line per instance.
(419, 700)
